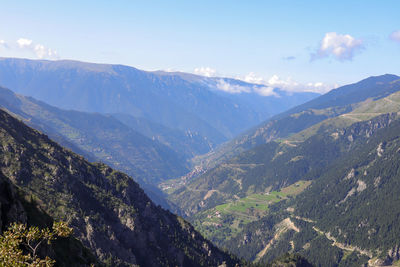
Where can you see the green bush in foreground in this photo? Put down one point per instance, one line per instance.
(19, 245)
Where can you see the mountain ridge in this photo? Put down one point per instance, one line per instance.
(100, 136)
(334, 103)
(171, 100)
(109, 212)
(349, 208)
(260, 168)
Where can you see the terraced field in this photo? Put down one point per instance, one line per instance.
(224, 221)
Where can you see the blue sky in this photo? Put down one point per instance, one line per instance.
(311, 45)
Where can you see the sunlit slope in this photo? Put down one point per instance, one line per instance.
(348, 215)
(279, 163)
(335, 103)
(364, 111)
(109, 212)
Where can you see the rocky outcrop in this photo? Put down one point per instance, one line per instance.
(109, 212)
(14, 207)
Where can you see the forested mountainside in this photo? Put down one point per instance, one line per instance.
(275, 165)
(274, 198)
(109, 212)
(177, 100)
(99, 136)
(349, 215)
(17, 206)
(186, 143)
(332, 104)
(316, 183)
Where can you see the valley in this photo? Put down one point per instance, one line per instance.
(294, 185)
(150, 152)
(229, 209)
(199, 133)
(99, 203)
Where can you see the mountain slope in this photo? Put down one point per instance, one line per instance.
(177, 100)
(260, 170)
(277, 164)
(223, 200)
(350, 206)
(19, 207)
(187, 144)
(365, 110)
(102, 137)
(108, 211)
(375, 87)
(336, 102)
(102, 88)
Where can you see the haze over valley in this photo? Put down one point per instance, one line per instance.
(200, 134)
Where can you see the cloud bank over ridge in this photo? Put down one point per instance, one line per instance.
(262, 86)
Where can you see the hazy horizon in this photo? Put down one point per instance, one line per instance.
(310, 46)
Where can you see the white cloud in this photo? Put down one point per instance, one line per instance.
(24, 43)
(290, 85)
(341, 46)
(171, 70)
(43, 52)
(232, 88)
(251, 77)
(225, 86)
(38, 49)
(395, 36)
(205, 71)
(287, 84)
(263, 86)
(265, 91)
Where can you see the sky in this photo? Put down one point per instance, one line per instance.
(296, 45)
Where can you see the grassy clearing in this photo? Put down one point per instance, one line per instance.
(226, 220)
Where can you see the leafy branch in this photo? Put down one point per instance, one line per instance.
(19, 239)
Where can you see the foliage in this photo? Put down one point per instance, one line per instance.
(348, 214)
(19, 239)
(100, 138)
(272, 166)
(290, 260)
(100, 203)
(339, 101)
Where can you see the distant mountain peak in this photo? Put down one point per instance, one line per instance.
(177, 100)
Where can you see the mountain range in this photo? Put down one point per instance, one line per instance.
(347, 217)
(101, 138)
(334, 103)
(235, 177)
(177, 100)
(108, 211)
(296, 190)
(261, 177)
(147, 124)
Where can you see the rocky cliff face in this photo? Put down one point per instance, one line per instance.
(14, 207)
(109, 212)
(350, 207)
